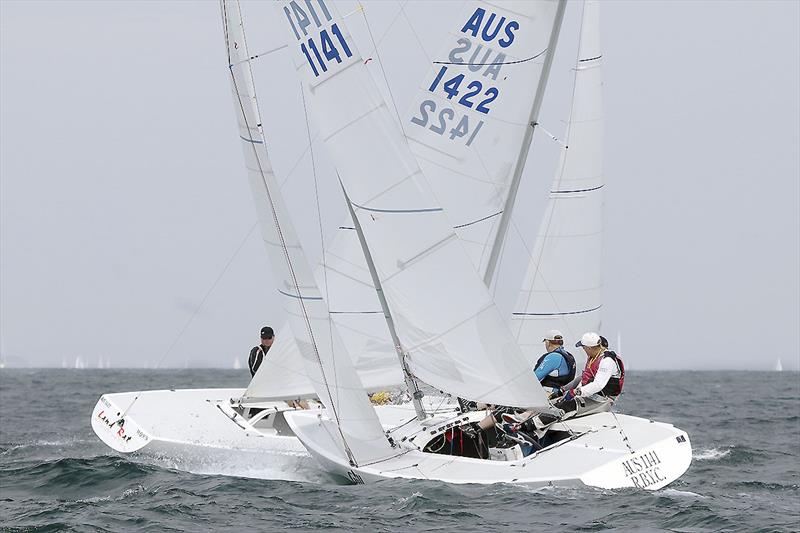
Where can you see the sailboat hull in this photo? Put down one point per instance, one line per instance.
(199, 430)
(174, 422)
(659, 454)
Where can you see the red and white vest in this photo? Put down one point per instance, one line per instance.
(614, 385)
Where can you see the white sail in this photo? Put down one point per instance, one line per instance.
(562, 287)
(454, 336)
(328, 364)
(468, 123)
(459, 174)
(778, 365)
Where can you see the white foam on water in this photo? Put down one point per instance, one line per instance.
(284, 465)
(710, 454)
(682, 493)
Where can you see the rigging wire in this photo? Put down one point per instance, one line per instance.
(196, 310)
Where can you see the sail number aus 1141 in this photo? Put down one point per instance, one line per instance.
(328, 45)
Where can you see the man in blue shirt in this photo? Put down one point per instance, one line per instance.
(556, 367)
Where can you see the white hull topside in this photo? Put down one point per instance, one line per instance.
(191, 427)
(198, 429)
(597, 455)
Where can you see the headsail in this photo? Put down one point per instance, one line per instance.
(562, 287)
(354, 309)
(451, 330)
(328, 364)
(469, 122)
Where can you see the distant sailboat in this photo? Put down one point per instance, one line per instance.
(778, 365)
(237, 365)
(79, 363)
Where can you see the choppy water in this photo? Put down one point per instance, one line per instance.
(55, 475)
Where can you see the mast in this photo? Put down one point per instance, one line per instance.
(411, 383)
(505, 218)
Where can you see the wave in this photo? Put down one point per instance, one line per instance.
(682, 493)
(710, 454)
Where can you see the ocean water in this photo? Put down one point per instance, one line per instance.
(55, 475)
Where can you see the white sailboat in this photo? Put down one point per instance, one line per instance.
(237, 365)
(430, 339)
(250, 420)
(778, 365)
(447, 329)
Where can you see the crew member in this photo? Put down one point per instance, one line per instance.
(556, 367)
(258, 353)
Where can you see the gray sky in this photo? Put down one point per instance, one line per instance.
(123, 194)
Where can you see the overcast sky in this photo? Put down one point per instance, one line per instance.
(124, 199)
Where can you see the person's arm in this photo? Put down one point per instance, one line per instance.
(607, 369)
(551, 362)
(574, 383)
(251, 361)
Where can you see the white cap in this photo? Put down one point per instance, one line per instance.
(553, 335)
(589, 339)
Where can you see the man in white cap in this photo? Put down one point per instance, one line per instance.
(556, 368)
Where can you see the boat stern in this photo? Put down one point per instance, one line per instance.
(650, 468)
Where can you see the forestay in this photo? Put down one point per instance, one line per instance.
(562, 287)
(467, 124)
(453, 335)
(328, 364)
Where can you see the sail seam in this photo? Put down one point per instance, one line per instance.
(377, 210)
(470, 64)
(578, 190)
(561, 313)
(487, 217)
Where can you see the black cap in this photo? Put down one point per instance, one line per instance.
(267, 333)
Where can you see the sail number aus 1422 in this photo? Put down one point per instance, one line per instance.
(444, 119)
(473, 95)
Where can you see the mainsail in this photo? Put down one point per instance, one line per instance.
(562, 287)
(328, 364)
(470, 120)
(452, 334)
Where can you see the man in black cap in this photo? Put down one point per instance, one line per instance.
(258, 353)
